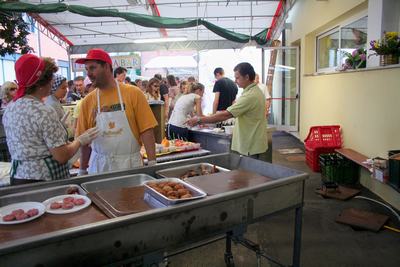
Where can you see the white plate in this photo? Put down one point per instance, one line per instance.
(22, 205)
(60, 198)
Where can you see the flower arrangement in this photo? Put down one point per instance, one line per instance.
(389, 45)
(355, 60)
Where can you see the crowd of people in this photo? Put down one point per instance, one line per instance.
(112, 117)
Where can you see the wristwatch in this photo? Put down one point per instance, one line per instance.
(198, 120)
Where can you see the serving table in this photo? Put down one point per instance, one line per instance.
(143, 238)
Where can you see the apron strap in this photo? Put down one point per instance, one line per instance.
(14, 166)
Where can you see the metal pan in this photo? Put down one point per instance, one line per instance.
(180, 171)
(117, 182)
(196, 193)
(39, 195)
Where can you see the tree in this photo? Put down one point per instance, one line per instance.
(13, 32)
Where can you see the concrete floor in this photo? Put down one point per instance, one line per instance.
(324, 242)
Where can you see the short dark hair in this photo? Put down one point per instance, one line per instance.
(119, 70)
(79, 78)
(171, 80)
(244, 69)
(128, 79)
(219, 71)
(158, 76)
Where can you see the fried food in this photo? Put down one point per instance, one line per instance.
(171, 190)
(203, 170)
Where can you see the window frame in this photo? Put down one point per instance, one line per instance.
(338, 27)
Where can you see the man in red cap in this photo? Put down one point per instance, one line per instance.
(122, 114)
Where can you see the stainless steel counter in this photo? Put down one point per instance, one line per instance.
(221, 142)
(144, 236)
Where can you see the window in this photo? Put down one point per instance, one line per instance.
(63, 72)
(328, 50)
(345, 38)
(9, 72)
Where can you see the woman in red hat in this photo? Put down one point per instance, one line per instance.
(35, 136)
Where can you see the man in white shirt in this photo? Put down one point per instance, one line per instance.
(264, 89)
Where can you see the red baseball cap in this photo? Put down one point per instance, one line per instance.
(28, 70)
(96, 54)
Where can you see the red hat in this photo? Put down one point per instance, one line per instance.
(96, 54)
(28, 70)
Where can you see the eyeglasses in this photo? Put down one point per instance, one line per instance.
(13, 88)
(155, 85)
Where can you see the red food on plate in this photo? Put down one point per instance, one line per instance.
(67, 205)
(18, 211)
(55, 205)
(68, 199)
(79, 201)
(21, 216)
(9, 218)
(32, 212)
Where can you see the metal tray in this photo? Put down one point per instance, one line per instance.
(179, 171)
(39, 195)
(117, 182)
(196, 193)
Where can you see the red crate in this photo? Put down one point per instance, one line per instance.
(312, 156)
(324, 137)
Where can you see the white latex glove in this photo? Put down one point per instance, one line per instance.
(82, 172)
(151, 162)
(65, 117)
(88, 136)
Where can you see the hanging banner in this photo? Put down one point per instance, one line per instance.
(128, 62)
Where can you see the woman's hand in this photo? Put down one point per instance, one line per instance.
(88, 136)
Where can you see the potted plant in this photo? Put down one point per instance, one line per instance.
(388, 48)
(355, 60)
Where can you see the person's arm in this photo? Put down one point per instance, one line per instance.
(199, 111)
(149, 142)
(65, 152)
(215, 103)
(85, 156)
(267, 106)
(166, 106)
(217, 117)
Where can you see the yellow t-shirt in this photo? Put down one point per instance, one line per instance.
(137, 109)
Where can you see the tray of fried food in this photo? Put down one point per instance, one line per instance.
(172, 191)
(191, 170)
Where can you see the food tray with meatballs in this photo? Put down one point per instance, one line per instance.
(172, 191)
(21, 212)
(41, 195)
(66, 204)
(191, 170)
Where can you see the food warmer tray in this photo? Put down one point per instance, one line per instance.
(179, 171)
(117, 182)
(196, 192)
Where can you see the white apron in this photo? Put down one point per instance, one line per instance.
(116, 147)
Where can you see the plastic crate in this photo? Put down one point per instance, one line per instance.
(312, 156)
(323, 137)
(336, 168)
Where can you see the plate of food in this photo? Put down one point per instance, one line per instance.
(21, 212)
(64, 204)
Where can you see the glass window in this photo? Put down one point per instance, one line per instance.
(353, 36)
(63, 71)
(328, 50)
(345, 38)
(9, 72)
